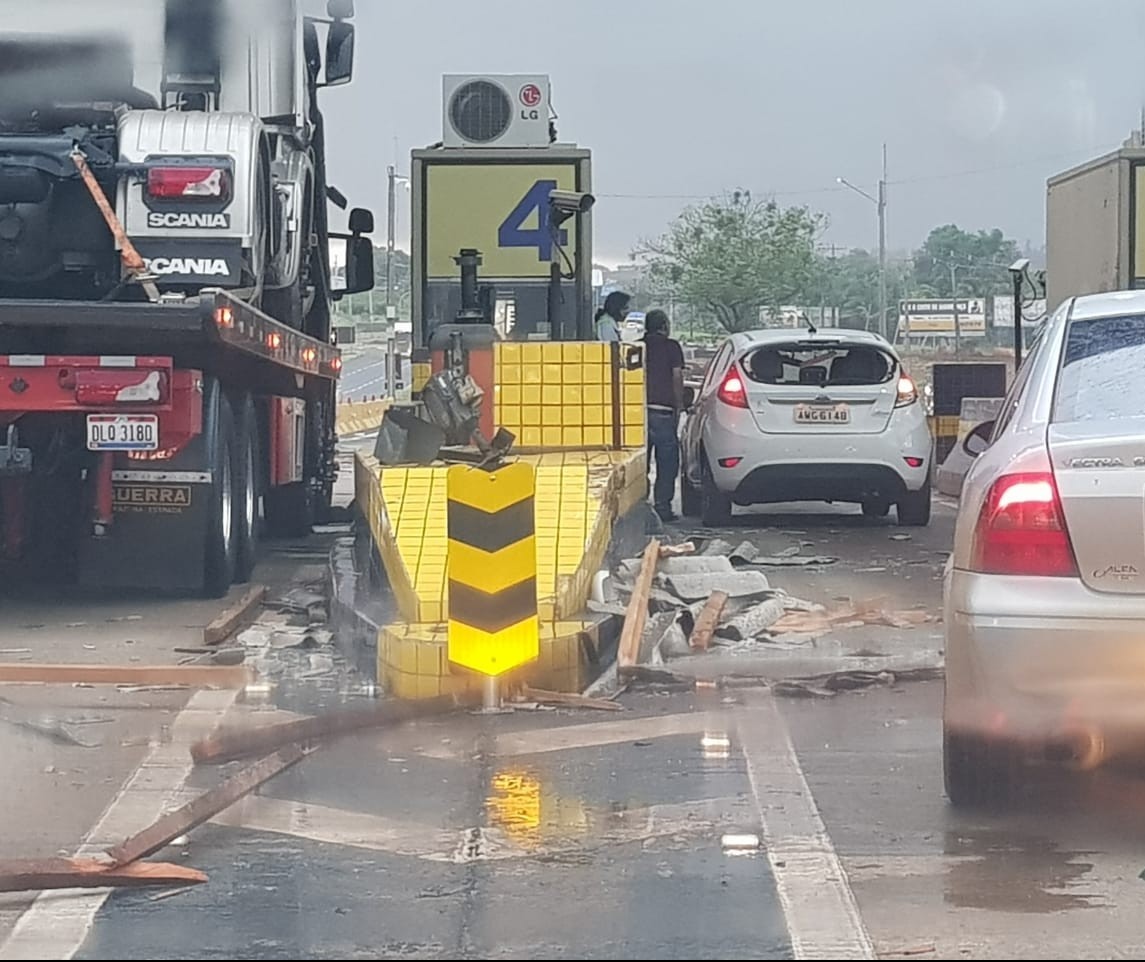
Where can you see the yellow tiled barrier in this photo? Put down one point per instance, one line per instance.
(577, 411)
(562, 395)
(363, 416)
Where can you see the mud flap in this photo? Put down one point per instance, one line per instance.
(161, 514)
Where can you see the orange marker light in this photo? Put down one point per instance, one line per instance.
(274, 340)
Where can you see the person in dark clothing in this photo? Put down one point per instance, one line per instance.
(664, 388)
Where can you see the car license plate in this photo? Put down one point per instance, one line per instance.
(122, 432)
(821, 414)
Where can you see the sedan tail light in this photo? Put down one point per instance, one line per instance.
(732, 391)
(1022, 531)
(907, 392)
(189, 183)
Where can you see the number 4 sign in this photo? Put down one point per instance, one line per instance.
(514, 233)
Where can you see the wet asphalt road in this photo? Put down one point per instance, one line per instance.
(566, 834)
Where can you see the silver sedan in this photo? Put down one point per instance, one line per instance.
(1045, 588)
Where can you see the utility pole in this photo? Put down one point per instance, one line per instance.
(882, 205)
(957, 320)
(392, 176)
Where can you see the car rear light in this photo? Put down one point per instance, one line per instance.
(729, 462)
(915, 462)
(1021, 530)
(732, 391)
(907, 392)
(189, 183)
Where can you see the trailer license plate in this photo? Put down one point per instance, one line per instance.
(122, 432)
(821, 414)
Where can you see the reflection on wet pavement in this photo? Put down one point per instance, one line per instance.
(1005, 871)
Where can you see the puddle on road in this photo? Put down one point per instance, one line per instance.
(1039, 877)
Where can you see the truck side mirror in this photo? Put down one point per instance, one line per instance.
(352, 265)
(361, 221)
(339, 53)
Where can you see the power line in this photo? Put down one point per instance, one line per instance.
(922, 179)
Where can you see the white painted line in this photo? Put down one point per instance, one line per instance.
(822, 915)
(56, 924)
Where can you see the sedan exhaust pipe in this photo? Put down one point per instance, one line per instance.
(1082, 748)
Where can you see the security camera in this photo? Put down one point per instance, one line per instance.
(570, 202)
(1020, 266)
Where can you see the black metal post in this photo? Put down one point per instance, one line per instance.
(1017, 276)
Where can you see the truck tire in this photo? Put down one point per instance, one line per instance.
(289, 510)
(220, 555)
(248, 518)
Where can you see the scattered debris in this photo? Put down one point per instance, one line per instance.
(864, 613)
(177, 823)
(234, 742)
(55, 729)
(198, 676)
(900, 537)
(17, 651)
(637, 614)
(676, 550)
(228, 621)
(569, 699)
(707, 621)
(29, 875)
(748, 554)
(737, 584)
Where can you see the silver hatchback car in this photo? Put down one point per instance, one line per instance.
(1045, 588)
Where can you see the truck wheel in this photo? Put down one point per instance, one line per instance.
(289, 510)
(221, 553)
(247, 515)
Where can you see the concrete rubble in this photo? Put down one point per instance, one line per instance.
(760, 627)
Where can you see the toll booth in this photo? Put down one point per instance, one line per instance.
(496, 201)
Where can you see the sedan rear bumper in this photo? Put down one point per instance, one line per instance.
(1029, 655)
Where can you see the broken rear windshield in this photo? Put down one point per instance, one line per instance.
(824, 365)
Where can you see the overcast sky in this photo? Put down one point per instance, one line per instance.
(977, 101)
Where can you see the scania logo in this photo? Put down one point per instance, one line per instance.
(196, 221)
(190, 266)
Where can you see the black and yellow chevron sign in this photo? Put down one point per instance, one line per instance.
(492, 568)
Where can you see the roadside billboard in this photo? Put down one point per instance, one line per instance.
(943, 317)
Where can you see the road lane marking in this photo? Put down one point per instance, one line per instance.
(823, 918)
(56, 924)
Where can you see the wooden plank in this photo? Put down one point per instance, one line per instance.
(569, 699)
(170, 826)
(238, 615)
(195, 676)
(231, 743)
(708, 620)
(37, 874)
(636, 616)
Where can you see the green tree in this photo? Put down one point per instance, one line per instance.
(360, 304)
(850, 284)
(730, 256)
(953, 262)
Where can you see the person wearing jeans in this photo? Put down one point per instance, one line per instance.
(664, 386)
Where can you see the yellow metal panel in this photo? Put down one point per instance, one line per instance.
(633, 394)
(551, 373)
(531, 355)
(573, 437)
(531, 437)
(466, 204)
(509, 374)
(493, 571)
(551, 416)
(491, 491)
(633, 437)
(592, 394)
(508, 352)
(531, 394)
(593, 373)
(551, 436)
(572, 394)
(551, 394)
(531, 415)
(593, 436)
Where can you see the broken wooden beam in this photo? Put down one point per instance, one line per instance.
(230, 743)
(569, 699)
(170, 826)
(37, 874)
(193, 676)
(707, 621)
(677, 550)
(636, 615)
(238, 615)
